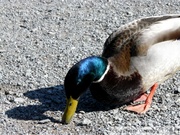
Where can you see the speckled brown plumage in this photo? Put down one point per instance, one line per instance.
(129, 35)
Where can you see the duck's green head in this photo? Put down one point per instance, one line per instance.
(79, 78)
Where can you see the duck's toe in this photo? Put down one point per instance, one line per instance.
(142, 108)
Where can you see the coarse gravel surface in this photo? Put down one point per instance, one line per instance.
(41, 39)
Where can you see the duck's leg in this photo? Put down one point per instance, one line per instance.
(143, 108)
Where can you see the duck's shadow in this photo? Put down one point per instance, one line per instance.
(51, 99)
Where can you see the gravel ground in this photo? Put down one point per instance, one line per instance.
(40, 40)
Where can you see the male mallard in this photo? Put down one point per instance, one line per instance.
(136, 57)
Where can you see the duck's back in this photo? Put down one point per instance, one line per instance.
(141, 34)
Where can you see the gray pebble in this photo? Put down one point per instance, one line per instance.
(147, 128)
(28, 72)
(164, 108)
(8, 92)
(19, 100)
(44, 121)
(80, 115)
(10, 98)
(178, 101)
(7, 102)
(82, 112)
(1, 76)
(86, 121)
(1, 50)
(178, 89)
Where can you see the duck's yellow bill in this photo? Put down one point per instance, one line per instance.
(70, 109)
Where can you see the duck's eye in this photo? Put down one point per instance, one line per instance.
(70, 104)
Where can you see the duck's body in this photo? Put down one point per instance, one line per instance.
(151, 52)
(138, 56)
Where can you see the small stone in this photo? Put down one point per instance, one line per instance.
(80, 115)
(138, 122)
(116, 118)
(28, 72)
(178, 89)
(10, 98)
(1, 76)
(168, 95)
(156, 107)
(177, 126)
(147, 128)
(9, 92)
(115, 111)
(44, 121)
(178, 101)
(18, 100)
(129, 13)
(1, 50)
(109, 123)
(82, 112)
(86, 121)
(7, 102)
(19, 94)
(164, 107)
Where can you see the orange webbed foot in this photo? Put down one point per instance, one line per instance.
(143, 108)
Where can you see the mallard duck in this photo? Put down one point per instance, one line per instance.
(136, 57)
